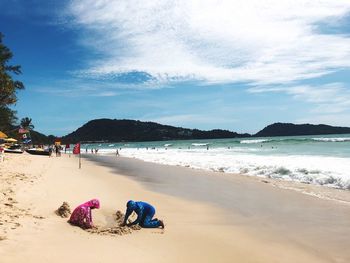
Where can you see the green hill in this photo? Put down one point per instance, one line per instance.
(290, 129)
(131, 130)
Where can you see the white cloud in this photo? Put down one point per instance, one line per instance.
(329, 119)
(106, 94)
(191, 120)
(77, 87)
(328, 98)
(257, 41)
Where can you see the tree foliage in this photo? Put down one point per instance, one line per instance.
(131, 130)
(8, 86)
(26, 123)
(290, 129)
(7, 119)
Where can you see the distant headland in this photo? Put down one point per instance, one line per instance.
(114, 130)
(134, 130)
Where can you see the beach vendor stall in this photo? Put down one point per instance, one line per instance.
(2, 135)
(11, 146)
(10, 140)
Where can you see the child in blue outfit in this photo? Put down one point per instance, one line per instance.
(145, 213)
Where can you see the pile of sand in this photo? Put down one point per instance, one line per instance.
(115, 230)
(119, 218)
(64, 210)
(118, 230)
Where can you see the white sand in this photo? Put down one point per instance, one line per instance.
(30, 231)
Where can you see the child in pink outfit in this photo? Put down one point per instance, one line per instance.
(81, 215)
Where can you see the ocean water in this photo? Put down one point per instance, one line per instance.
(322, 160)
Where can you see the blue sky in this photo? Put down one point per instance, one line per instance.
(237, 65)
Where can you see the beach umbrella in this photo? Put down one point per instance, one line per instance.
(2, 135)
(10, 140)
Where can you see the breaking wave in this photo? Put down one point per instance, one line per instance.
(319, 170)
(335, 139)
(255, 141)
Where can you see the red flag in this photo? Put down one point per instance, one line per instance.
(76, 149)
(67, 146)
(21, 130)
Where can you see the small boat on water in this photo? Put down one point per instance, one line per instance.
(16, 148)
(38, 151)
(13, 150)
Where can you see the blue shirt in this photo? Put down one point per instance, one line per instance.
(141, 209)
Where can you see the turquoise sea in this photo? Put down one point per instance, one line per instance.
(321, 159)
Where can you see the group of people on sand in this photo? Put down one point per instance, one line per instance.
(55, 148)
(82, 215)
(92, 150)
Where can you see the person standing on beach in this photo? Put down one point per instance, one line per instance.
(145, 213)
(2, 151)
(56, 150)
(81, 215)
(50, 151)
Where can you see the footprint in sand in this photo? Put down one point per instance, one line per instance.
(39, 217)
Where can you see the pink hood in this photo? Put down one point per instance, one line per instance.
(94, 203)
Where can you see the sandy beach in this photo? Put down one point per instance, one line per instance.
(33, 187)
(174, 131)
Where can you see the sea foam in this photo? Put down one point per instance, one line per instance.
(341, 139)
(322, 160)
(254, 141)
(320, 170)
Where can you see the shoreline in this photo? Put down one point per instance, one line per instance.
(319, 191)
(195, 230)
(281, 207)
(316, 162)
